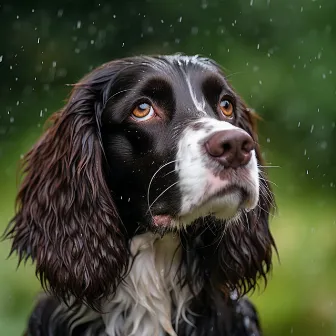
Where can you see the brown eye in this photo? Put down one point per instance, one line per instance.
(143, 112)
(226, 108)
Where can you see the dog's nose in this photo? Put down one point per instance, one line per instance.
(231, 148)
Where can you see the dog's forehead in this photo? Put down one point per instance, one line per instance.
(186, 65)
(191, 61)
(178, 79)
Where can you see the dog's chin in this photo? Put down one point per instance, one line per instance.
(223, 207)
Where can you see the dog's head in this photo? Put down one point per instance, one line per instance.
(144, 143)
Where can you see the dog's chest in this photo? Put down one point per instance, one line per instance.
(143, 303)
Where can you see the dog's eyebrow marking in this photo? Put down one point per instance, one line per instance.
(200, 105)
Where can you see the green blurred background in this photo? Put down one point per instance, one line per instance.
(279, 54)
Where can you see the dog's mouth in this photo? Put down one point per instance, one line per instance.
(223, 204)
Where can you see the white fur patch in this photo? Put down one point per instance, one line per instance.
(143, 301)
(199, 104)
(197, 182)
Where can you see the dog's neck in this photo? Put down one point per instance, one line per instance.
(143, 302)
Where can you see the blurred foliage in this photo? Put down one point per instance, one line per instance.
(279, 54)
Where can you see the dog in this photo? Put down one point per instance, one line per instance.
(145, 205)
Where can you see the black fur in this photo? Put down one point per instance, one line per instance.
(84, 197)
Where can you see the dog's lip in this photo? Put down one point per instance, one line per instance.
(162, 220)
(166, 220)
(232, 188)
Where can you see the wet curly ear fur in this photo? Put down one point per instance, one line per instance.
(234, 260)
(66, 221)
(245, 255)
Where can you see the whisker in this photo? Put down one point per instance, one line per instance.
(172, 185)
(234, 73)
(264, 191)
(269, 166)
(121, 91)
(269, 199)
(261, 208)
(150, 182)
(266, 180)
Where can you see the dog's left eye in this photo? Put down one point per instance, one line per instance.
(143, 112)
(226, 108)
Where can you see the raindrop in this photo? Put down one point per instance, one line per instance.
(79, 24)
(299, 123)
(251, 2)
(1, 57)
(60, 13)
(54, 64)
(11, 119)
(268, 140)
(38, 40)
(324, 145)
(180, 19)
(312, 128)
(258, 46)
(194, 30)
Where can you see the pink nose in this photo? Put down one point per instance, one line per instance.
(231, 148)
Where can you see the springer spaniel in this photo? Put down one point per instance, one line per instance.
(145, 205)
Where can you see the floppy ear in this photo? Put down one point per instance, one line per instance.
(236, 259)
(245, 254)
(66, 220)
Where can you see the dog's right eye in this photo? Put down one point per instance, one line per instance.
(143, 112)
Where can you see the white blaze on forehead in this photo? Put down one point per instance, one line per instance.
(199, 104)
(190, 60)
(196, 180)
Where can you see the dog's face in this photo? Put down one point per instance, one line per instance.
(175, 146)
(145, 143)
